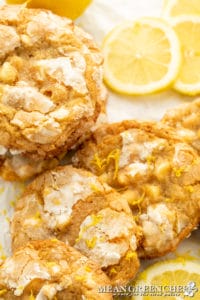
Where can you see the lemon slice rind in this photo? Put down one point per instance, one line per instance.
(169, 5)
(190, 89)
(173, 67)
(157, 269)
(167, 8)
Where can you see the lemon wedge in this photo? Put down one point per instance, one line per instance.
(173, 8)
(141, 57)
(67, 8)
(188, 32)
(174, 279)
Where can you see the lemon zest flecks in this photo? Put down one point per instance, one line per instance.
(131, 255)
(138, 204)
(121, 189)
(102, 163)
(2, 189)
(195, 162)
(189, 188)
(51, 264)
(31, 297)
(54, 240)
(46, 191)
(95, 188)
(12, 203)
(178, 171)
(115, 155)
(37, 216)
(162, 228)
(80, 278)
(102, 239)
(55, 186)
(112, 271)
(95, 220)
(3, 256)
(136, 218)
(98, 162)
(20, 288)
(78, 238)
(137, 201)
(91, 243)
(88, 269)
(56, 201)
(169, 200)
(150, 159)
(8, 219)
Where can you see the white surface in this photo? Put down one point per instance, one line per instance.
(9, 193)
(99, 18)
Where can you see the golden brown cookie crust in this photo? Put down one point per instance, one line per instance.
(156, 171)
(51, 90)
(51, 269)
(185, 121)
(76, 207)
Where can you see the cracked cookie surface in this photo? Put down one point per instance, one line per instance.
(51, 90)
(76, 207)
(157, 173)
(185, 119)
(48, 270)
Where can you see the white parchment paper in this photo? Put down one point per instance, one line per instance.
(99, 19)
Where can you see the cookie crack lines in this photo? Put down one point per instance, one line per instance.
(157, 177)
(55, 270)
(51, 90)
(81, 216)
(159, 173)
(131, 190)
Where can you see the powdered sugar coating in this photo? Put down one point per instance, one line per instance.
(51, 90)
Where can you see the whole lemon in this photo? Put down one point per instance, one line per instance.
(68, 8)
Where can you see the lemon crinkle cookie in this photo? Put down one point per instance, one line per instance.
(156, 171)
(51, 270)
(51, 90)
(185, 121)
(76, 207)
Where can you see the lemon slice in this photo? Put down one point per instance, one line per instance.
(188, 31)
(141, 57)
(173, 8)
(67, 8)
(175, 279)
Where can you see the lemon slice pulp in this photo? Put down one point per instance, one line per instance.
(173, 8)
(175, 279)
(67, 8)
(188, 31)
(141, 57)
